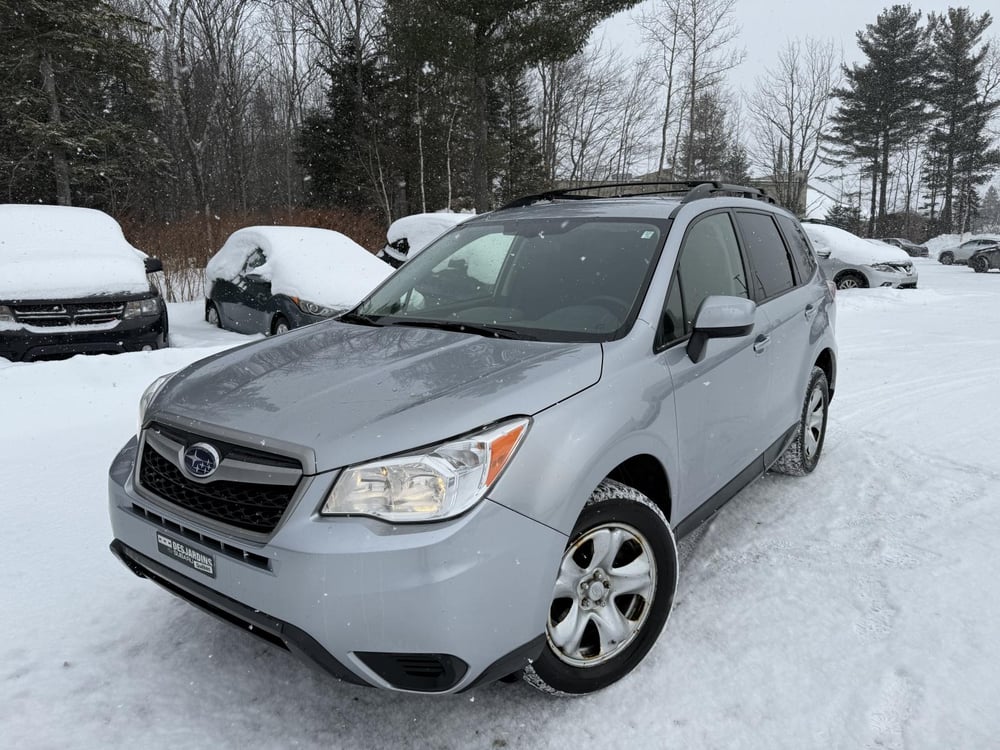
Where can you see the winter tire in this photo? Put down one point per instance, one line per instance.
(212, 315)
(851, 280)
(613, 594)
(279, 326)
(802, 454)
(947, 258)
(980, 264)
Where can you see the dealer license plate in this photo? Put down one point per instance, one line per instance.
(185, 554)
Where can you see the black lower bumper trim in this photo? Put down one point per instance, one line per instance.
(256, 623)
(510, 664)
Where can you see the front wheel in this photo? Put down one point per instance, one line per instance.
(851, 280)
(613, 594)
(980, 264)
(802, 454)
(947, 258)
(279, 326)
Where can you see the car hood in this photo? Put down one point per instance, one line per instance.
(350, 393)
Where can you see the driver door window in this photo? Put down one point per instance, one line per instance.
(710, 264)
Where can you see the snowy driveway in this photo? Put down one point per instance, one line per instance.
(855, 608)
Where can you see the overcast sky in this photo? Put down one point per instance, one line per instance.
(767, 24)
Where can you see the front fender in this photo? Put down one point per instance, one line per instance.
(575, 444)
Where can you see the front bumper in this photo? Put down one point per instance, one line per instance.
(891, 279)
(434, 608)
(136, 334)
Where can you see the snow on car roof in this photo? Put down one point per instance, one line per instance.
(420, 229)
(60, 252)
(318, 265)
(850, 248)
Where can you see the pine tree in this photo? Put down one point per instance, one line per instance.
(76, 104)
(989, 214)
(480, 42)
(881, 105)
(959, 142)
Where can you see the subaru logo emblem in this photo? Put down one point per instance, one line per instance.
(201, 460)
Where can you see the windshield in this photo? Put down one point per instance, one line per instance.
(548, 279)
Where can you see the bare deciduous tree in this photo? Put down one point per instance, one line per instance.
(790, 109)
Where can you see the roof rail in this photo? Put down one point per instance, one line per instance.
(689, 189)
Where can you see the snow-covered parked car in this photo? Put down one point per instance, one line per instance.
(409, 235)
(851, 262)
(271, 279)
(70, 283)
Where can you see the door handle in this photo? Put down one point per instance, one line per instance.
(761, 343)
(810, 310)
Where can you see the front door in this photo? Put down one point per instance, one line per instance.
(720, 400)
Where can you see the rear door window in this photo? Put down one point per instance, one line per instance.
(770, 261)
(802, 255)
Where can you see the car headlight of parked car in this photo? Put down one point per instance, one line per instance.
(437, 483)
(150, 393)
(142, 307)
(6, 316)
(887, 267)
(314, 309)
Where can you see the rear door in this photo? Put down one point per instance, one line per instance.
(781, 267)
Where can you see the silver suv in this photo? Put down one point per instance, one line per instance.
(481, 470)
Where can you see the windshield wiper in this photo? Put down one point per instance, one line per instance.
(360, 319)
(493, 332)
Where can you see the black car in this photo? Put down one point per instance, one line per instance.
(985, 259)
(71, 284)
(911, 248)
(270, 279)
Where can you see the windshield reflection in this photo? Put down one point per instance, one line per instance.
(545, 279)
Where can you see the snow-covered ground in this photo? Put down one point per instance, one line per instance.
(857, 607)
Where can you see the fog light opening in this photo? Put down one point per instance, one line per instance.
(147, 347)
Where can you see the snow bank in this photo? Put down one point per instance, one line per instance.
(57, 252)
(851, 248)
(420, 229)
(318, 265)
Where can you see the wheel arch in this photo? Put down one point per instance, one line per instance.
(646, 474)
(827, 362)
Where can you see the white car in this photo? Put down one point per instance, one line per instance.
(854, 263)
(409, 235)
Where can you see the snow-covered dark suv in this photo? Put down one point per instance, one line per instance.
(482, 469)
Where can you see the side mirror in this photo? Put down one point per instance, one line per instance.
(720, 317)
(153, 264)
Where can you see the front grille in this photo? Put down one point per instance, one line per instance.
(236, 553)
(56, 315)
(253, 507)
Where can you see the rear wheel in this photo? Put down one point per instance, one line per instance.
(947, 258)
(980, 264)
(851, 280)
(802, 454)
(613, 594)
(212, 315)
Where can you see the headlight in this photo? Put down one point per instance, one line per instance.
(313, 309)
(438, 483)
(142, 307)
(6, 315)
(885, 267)
(150, 393)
